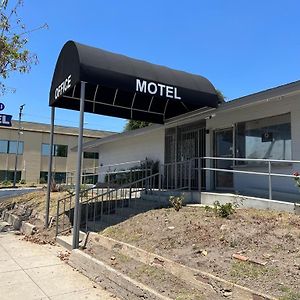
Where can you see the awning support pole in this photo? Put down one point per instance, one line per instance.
(50, 167)
(76, 225)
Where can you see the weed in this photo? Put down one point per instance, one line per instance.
(6, 183)
(43, 180)
(53, 186)
(289, 294)
(176, 202)
(249, 270)
(222, 210)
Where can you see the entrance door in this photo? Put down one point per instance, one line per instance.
(223, 147)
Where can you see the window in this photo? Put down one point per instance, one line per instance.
(93, 155)
(59, 177)
(58, 150)
(268, 138)
(45, 149)
(11, 147)
(3, 146)
(89, 178)
(9, 175)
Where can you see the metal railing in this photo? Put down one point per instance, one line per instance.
(99, 202)
(112, 173)
(183, 175)
(236, 162)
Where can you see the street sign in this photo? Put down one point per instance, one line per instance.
(5, 120)
(2, 106)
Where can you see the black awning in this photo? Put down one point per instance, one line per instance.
(119, 86)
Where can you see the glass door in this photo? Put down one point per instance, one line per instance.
(223, 147)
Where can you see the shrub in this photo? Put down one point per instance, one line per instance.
(222, 210)
(70, 189)
(43, 180)
(53, 186)
(176, 202)
(84, 190)
(22, 181)
(6, 182)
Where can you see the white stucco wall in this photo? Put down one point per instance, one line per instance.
(259, 184)
(132, 148)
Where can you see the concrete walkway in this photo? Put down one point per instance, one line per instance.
(29, 271)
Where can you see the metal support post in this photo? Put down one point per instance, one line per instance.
(199, 175)
(50, 168)
(75, 244)
(18, 144)
(270, 180)
(190, 175)
(159, 182)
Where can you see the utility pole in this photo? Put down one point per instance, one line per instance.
(18, 143)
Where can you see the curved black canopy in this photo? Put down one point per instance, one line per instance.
(119, 86)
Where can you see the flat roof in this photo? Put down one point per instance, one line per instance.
(121, 136)
(251, 99)
(58, 129)
(204, 112)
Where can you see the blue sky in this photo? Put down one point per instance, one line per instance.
(240, 46)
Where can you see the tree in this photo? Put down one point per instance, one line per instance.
(132, 125)
(220, 95)
(14, 57)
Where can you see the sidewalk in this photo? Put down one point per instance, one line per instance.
(29, 271)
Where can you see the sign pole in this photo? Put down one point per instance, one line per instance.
(18, 144)
(76, 225)
(49, 179)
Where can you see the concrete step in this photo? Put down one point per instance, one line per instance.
(66, 240)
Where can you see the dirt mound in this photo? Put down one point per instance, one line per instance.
(270, 242)
(31, 208)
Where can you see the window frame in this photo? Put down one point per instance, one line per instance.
(237, 147)
(55, 151)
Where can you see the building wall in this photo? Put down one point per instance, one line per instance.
(133, 148)
(31, 162)
(259, 184)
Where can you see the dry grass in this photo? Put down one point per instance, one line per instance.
(35, 200)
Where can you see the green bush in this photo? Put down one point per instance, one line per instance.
(22, 181)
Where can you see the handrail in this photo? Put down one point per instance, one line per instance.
(251, 159)
(132, 187)
(127, 185)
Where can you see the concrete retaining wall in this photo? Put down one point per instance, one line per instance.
(17, 223)
(208, 198)
(206, 282)
(121, 285)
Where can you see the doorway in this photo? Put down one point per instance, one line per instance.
(223, 148)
